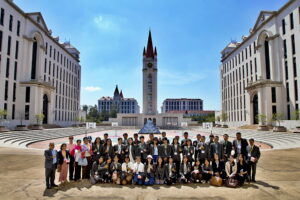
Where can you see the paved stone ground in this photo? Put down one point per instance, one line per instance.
(22, 177)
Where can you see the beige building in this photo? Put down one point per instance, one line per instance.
(38, 74)
(259, 75)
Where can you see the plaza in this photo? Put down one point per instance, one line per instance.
(274, 180)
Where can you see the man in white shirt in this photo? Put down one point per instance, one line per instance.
(138, 171)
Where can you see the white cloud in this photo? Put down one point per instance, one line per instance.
(184, 78)
(106, 23)
(92, 89)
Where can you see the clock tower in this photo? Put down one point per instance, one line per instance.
(149, 78)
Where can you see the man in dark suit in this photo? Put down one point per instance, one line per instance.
(227, 145)
(50, 165)
(217, 148)
(239, 145)
(203, 150)
(184, 140)
(253, 154)
(119, 149)
(165, 150)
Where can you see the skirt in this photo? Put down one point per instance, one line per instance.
(64, 172)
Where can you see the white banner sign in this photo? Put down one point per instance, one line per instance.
(90, 125)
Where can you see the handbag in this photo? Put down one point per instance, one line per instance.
(231, 182)
(82, 162)
(216, 181)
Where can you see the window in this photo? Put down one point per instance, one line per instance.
(274, 110)
(15, 71)
(27, 95)
(267, 60)
(26, 112)
(1, 35)
(288, 112)
(6, 91)
(7, 67)
(286, 70)
(284, 49)
(292, 21)
(13, 111)
(273, 95)
(11, 22)
(14, 92)
(50, 51)
(17, 50)
(287, 92)
(8, 45)
(33, 62)
(18, 28)
(2, 17)
(296, 90)
(5, 108)
(46, 48)
(283, 26)
(295, 66)
(293, 44)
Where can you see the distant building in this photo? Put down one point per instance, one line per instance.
(182, 104)
(38, 74)
(192, 113)
(260, 74)
(119, 103)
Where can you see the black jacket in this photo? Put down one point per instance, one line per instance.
(164, 151)
(167, 170)
(189, 168)
(60, 158)
(244, 145)
(175, 152)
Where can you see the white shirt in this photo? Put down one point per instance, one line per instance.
(138, 167)
(125, 165)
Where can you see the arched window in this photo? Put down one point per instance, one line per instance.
(34, 58)
(267, 58)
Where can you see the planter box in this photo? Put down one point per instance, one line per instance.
(21, 128)
(263, 128)
(225, 126)
(218, 126)
(36, 127)
(279, 129)
(3, 129)
(297, 130)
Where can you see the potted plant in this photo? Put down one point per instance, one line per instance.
(262, 122)
(224, 118)
(39, 119)
(21, 126)
(3, 114)
(295, 116)
(277, 118)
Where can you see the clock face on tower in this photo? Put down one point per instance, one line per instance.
(149, 65)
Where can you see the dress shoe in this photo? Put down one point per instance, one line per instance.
(54, 185)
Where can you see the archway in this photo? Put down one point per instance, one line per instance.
(45, 108)
(255, 109)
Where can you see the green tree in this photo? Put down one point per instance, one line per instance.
(39, 118)
(277, 118)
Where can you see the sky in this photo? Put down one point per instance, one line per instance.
(189, 36)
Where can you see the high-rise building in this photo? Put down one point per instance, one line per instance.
(182, 104)
(259, 75)
(38, 74)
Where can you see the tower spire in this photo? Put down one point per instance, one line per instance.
(116, 93)
(150, 52)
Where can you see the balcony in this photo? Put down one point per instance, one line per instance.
(38, 83)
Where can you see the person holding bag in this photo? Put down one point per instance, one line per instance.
(149, 171)
(231, 171)
(63, 163)
(242, 168)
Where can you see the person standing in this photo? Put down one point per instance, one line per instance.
(253, 155)
(50, 165)
(203, 150)
(76, 152)
(216, 148)
(239, 145)
(227, 145)
(87, 152)
(63, 159)
(70, 147)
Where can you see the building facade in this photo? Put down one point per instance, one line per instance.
(259, 75)
(119, 103)
(150, 78)
(182, 104)
(37, 73)
(162, 120)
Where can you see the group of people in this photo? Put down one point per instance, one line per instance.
(153, 161)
